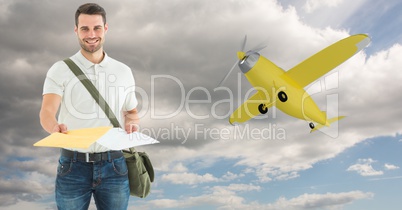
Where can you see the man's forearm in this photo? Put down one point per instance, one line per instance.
(50, 124)
(47, 114)
(47, 121)
(131, 120)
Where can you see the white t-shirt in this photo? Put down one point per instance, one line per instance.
(114, 81)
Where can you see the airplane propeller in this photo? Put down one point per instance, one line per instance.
(242, 57)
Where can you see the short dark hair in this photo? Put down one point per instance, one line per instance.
(90, 9)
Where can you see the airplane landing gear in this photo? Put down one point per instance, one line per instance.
(282, 96)
(312, 126)
(262, 108)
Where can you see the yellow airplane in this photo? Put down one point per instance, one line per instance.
(285, 89)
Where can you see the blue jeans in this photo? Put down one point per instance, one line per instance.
(78, 180)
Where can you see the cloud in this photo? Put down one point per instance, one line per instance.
(31, 187)
(364, 168)
(312, 5)
(365, 86)
(25, 205)
(44, 166)
(188, 178)
(325, 13)
(386, 178)
(179, 168)
(29, 177)
(319, 201)
(194, 179)
(390, 167)
(229, 176)
(226, 197)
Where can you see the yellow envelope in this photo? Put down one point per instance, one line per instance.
(80, 138)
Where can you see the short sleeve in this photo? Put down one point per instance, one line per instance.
(54, 80)
(131, 99)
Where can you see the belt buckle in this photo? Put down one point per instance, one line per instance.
(87, 158)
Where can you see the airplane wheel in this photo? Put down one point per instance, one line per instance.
(282, 96)
(312, 126)
(262, 109)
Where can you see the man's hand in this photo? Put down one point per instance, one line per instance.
(59, 128)
(130, 128)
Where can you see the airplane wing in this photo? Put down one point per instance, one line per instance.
(322, 62)
(249, 108)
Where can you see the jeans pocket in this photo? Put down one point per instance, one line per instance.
(65, 166)
(120, 166)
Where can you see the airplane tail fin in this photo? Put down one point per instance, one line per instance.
(330, 121)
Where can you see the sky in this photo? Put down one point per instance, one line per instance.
(179, 51)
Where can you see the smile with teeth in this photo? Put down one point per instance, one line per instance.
(91, 41)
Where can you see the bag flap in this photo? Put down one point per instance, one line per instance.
(148, 165)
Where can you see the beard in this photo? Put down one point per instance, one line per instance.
(91, 48)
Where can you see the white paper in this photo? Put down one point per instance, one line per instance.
(118, 139)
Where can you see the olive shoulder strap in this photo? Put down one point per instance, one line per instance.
(93, 91)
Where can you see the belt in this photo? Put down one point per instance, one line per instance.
(92, 157)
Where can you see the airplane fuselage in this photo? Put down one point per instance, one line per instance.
(285, 93)
(285, 89)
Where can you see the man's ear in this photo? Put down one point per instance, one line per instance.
(106, 27)
(75, 30)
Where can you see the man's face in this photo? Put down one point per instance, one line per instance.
(91, 32)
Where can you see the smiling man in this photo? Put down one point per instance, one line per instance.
(96, 171)
(91, 40)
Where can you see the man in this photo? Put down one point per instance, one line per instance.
(94, 171)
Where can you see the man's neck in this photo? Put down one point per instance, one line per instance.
(95, 57)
